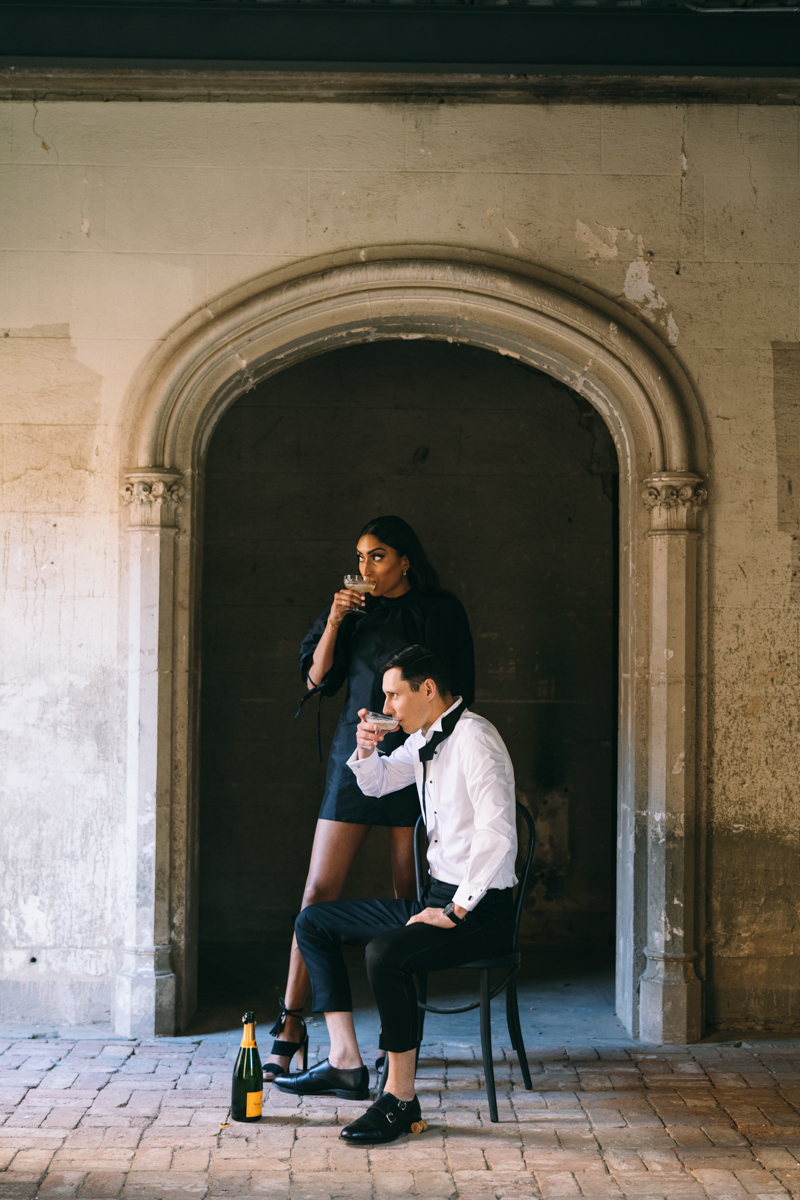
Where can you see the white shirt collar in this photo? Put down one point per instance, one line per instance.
(437, 724)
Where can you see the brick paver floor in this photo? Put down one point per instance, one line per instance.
(143, 1120)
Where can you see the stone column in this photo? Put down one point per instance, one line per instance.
(670, 1009)
(145, 989)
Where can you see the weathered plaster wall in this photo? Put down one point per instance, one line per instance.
(120, 219)
(62, 711)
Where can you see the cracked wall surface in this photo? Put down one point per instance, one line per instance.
(121, 219)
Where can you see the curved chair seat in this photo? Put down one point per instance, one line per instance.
(508, 962)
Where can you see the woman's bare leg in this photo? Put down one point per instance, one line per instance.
(336, 844)
(404, 875)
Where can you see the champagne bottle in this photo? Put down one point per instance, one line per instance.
(247, 1093)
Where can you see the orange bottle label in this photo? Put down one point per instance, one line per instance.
(254, 1103)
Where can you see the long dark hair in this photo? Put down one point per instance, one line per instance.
(398, 534)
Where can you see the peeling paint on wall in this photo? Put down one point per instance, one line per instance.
(598, 247)
(650, 303)
(638, 289)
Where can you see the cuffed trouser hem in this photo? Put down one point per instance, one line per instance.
(396, 1048)
(394, 988)
(322, 954)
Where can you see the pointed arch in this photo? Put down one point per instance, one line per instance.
(552, 324)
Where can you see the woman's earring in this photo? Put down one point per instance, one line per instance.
(404, 572)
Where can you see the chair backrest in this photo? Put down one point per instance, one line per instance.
(421, 868)
(524, 879)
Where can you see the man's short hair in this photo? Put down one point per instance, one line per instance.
(418, 663)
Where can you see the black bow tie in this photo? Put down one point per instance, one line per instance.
(449, 723)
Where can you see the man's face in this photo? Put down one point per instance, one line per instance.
(411, 709)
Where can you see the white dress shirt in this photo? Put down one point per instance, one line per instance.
(469, 802)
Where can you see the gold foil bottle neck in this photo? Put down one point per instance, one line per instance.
(249, 1031)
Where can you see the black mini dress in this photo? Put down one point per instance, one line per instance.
(365, 640)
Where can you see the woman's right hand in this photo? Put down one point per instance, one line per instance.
(344, 601)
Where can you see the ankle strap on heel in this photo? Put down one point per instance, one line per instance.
(285, 1012)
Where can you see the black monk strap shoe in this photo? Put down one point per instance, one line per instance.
(324, 1080)
(388, 1119)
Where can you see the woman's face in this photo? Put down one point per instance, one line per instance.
(382, 563)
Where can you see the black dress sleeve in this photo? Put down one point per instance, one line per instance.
(447, 630)
(338, 672)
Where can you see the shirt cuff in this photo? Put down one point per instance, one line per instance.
(468, 895)
(364, 768)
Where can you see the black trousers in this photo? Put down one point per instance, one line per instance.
(396, 951)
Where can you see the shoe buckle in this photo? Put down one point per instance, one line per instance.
(391, 1118)
(402, 1105)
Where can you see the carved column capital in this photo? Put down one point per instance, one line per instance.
(674, 498)
(153, 497)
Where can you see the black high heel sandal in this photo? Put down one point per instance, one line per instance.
(286, 1049)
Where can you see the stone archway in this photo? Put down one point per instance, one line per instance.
(579, 338)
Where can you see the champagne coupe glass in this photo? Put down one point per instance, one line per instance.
(381, 721)
(357, 583)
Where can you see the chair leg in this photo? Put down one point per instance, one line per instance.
(422, 992)
(486, 1044)
(515, 1032)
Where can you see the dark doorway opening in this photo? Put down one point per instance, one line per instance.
(510, 479)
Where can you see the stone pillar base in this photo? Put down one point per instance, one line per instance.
(669, 1002)
(145, 993)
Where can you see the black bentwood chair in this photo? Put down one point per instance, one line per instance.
(510, 963)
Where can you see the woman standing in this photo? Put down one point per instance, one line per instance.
(348, 643)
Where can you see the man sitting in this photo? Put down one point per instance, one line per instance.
(466, 785)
